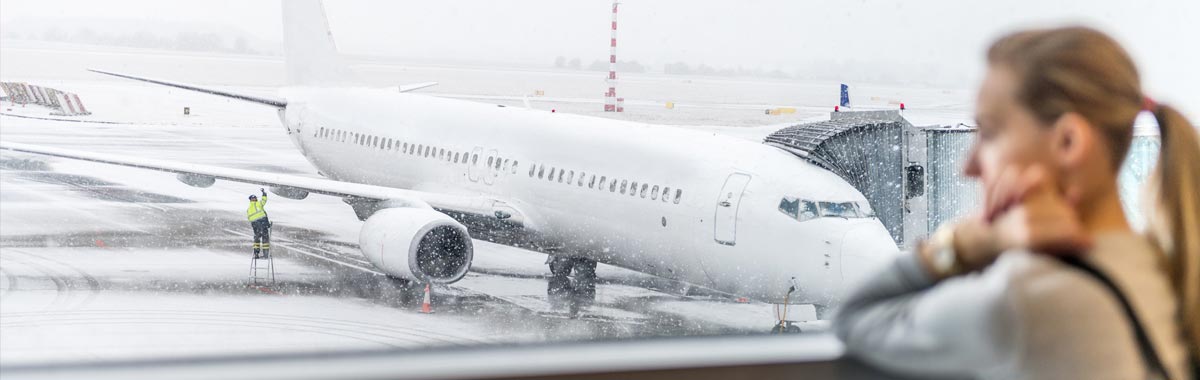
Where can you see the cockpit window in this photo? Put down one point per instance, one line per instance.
(803, 210)
(798, 209)
(842, 210)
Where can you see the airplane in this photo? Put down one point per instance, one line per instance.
(427, 174)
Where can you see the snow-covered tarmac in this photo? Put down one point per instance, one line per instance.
(102, 263)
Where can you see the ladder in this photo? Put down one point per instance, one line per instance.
(262, 268)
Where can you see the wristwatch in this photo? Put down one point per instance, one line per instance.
(944, 258)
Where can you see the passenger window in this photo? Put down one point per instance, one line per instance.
(654, 193)
(541, 171)
(474, 159)
(489, 161)
(570, 177)
(666, 193)
(532, 168)
(592, 182)
(633, 188)
(612, 186)
(643, 192)
(514, 166)
(623, 185)
(497, 166)
(561, 172)
(603, 180)
(678, 195)
(456, 156)
(581, 178)
(551, 178)
(505, 166)
(405, 150)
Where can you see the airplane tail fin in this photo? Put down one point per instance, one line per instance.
(845, 96)
(311, 55)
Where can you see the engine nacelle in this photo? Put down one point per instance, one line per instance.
(196, 180)
(418, 244)
(289, 192)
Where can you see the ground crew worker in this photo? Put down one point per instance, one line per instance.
(262, 226)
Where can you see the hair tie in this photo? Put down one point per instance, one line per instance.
(1149, 104)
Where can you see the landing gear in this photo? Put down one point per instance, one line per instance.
(567, 291)
(785, 327)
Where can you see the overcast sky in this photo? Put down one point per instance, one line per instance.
(789, 35)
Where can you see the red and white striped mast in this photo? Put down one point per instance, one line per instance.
(611, 102)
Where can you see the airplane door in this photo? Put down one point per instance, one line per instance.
(474, 167)
(725, 220)
(296, 126)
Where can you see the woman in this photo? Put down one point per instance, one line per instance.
(998, 296)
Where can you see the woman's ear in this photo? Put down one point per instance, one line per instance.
(1071, 140)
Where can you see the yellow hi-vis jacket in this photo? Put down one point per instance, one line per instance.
(256, 210)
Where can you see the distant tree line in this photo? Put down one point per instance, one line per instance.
(677, 68)
(899, 70)
(184, 40)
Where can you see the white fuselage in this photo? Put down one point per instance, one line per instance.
(705, 210)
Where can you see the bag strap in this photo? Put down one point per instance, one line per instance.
(1149, 353)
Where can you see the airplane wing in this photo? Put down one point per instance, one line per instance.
(274, 102)
(366, 195)
(416, 86)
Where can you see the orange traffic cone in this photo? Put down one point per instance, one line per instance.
(425, 307)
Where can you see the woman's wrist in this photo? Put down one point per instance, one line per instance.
(939, 254)
(957, 248)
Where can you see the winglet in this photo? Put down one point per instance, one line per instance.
(275, 102)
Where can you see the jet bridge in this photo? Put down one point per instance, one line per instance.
(911, 175)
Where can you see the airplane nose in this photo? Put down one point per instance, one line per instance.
(864, 249)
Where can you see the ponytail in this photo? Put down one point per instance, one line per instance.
(1176, 222)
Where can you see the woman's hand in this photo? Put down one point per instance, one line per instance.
(1024, 211)
(1036, 216)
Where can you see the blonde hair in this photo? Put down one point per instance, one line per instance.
(1084, 71)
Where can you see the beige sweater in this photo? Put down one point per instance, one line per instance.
(1027, 316)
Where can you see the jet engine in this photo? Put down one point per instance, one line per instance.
(417, 244)
(196, 180)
